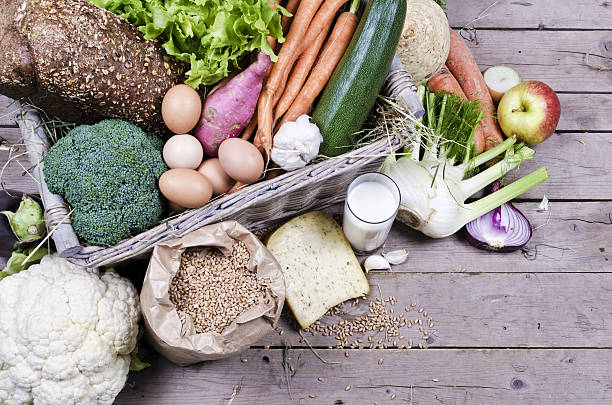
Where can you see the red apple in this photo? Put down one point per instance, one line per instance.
(529, 110)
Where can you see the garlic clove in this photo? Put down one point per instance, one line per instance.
(544, 204)
(396, 256)
(376, 262)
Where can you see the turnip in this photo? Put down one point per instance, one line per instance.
(229, 109)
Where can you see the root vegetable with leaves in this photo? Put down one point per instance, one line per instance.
(434, 187)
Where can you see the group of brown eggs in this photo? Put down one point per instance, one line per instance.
(193, 178)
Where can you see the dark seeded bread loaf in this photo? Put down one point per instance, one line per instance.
(82, 63)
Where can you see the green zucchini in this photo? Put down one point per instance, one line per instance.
(353, 87)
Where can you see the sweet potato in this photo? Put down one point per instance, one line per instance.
(229, 109)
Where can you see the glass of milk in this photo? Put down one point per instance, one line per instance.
(372, 201)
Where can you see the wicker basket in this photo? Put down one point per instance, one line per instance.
(257, 206)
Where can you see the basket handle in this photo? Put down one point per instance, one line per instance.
(56, 209)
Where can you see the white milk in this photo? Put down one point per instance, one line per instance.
(371, 204)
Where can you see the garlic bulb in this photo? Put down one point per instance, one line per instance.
(296, 144)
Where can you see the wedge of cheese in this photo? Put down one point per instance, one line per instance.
(319, 266)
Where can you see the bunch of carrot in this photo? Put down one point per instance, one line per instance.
(306, 61)
(303, 69)
(461, 76)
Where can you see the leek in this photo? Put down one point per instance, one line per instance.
(434, 187)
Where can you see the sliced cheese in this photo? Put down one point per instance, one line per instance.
(319, 266)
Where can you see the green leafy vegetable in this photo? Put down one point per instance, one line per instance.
(15, 263)
(28, 222)
(136, 364)
(210, 35)
(453, 122)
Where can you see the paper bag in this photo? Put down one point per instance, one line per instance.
(182, 345)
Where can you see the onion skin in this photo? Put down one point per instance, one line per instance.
(472, 226)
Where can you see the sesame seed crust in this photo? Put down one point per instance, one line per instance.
(82, 63)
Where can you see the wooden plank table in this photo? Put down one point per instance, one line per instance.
(531, 327)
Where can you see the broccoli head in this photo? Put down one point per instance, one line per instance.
(108, 173)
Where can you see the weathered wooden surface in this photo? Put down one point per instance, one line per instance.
(506, 329)
(481, 310)
(531, 14)
(569, 237)
(7, 112)
(416, 377)
(556, 57)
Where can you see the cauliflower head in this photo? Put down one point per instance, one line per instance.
(66, 334)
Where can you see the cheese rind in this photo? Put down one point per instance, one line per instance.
(319, 266)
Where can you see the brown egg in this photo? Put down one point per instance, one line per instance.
(212, 170)
(241, 160)
(181, 108)
(185, 187)
(175, 208)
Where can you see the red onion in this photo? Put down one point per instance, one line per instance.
(504, 229)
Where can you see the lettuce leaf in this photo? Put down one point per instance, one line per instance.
(210, 35)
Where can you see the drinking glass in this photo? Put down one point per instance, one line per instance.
(372, 202)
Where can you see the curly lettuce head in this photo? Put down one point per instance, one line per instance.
(210, 35)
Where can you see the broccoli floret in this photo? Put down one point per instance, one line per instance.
(108, 173)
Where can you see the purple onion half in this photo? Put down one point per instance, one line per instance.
(504, 229)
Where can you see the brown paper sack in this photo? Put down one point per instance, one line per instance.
(182, 345)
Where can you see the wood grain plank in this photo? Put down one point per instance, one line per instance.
(556, 58)
(585, 112)
(7, 112)
(583, 14)
(461, 377)
(578, 164)
(569, 237)
(479, 310)
(13, 176)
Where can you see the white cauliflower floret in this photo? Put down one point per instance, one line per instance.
(65, 334)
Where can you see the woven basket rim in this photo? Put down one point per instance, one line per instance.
(248, 196)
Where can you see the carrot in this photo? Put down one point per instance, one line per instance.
(462, 65)
(299, 75)
(445, 81)
(322, 20)
(304, 15)
(291, 7)
(330, 56)
(248, 130)
(236, 187)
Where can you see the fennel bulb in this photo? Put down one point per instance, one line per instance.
(434, 189)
